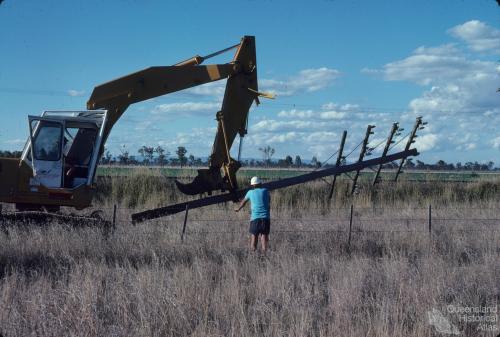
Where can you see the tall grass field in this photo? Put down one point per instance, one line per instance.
(387, 272)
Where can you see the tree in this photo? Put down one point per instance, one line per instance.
(198, 162)
(106, 158)
(315, 162)
(162, 155)
(147, 152)
(141, 151)
(123, 157)
(287, 162)
(409, 164)
(298, 161)
(441, 165)
(191, 160)
(132, 160)
(420, 165)
(181, 155)
(9, 154)
(267, 153)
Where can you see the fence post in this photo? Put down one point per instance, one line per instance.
(430, 220)
(350, 227)
(114, 218)
(185, 221)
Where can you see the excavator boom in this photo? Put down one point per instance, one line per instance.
(115, 96)
(241, 90)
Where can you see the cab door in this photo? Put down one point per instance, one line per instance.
(47, 142)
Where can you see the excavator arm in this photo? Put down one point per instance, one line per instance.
(241, 91)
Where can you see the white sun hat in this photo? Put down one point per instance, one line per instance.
(255, 181)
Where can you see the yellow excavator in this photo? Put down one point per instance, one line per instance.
(60, 158)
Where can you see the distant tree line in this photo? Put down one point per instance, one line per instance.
(10, 154)
(441, 165)
(149, 155)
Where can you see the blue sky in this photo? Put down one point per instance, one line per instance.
(335, 65)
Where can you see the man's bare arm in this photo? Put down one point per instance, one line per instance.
(241, 205)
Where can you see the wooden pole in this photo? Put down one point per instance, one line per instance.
(362, 156)
(411, 140)
(338, 163)
(430, 220)
(394, 129)
(185, 222)
(114, 218)
(350, 227)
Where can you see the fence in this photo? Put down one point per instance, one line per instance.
(349, 221)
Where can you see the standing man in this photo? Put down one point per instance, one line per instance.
(260, 222)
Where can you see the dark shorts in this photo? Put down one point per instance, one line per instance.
(260, 226)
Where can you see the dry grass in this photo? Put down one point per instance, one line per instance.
(146, 188)
(142, 281)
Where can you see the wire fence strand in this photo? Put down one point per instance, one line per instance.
(334, 221)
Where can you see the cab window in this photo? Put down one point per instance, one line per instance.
(47, 142)
(79, 145)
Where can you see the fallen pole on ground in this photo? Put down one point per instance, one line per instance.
(273, 185)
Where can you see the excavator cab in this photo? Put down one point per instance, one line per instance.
(63, 148)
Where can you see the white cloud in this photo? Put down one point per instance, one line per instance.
(426, 142)
(271, 125)
(471, 146)
(305, 143)
(317, 132)
(428, 66)
(343, 107)
(321, 137)
(196, 140)
(15, 141)
(332, 114)
(496, 143)
(471, 92)
(334, 111)
(447, 98)
(296, 113)
(147, 125)
(212, 89)
(459, 83)
(76, 93)
(185, 108)
(283, 138)
(478, 36)
(308, 80)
